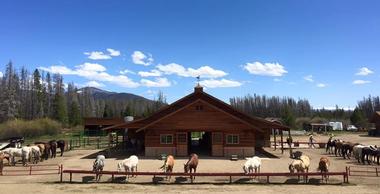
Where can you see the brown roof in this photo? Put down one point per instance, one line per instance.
(198, 94)
(375, 117)
(102, 121)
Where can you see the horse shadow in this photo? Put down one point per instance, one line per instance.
(313, 181)
(180, 179)
(87, 179)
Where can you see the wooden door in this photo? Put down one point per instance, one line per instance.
(217, 144)
(182, 144)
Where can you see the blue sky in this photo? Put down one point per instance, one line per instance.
(325, 51)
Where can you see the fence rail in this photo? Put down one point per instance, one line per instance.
(368, 171)
(191, 175)
(32, 170)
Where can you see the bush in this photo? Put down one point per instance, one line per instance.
(33, 128)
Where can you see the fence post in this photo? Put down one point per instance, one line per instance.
(30, 170)
(71, 176)
(377, 172)
(98, 141)
(61, 171)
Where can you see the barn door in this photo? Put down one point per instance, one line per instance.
(217, 144)
(182, 144)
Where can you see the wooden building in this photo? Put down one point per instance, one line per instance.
(93, 126)
(200, 123)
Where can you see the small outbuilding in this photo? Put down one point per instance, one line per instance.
(200, 123)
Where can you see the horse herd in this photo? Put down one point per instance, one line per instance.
(35, 153)
(362, 153)
(300, 164)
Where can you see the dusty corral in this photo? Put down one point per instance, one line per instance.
(82, 159)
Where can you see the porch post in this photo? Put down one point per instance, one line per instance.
(282, 142)
(274, 138)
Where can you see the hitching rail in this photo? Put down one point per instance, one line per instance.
(44, 169)
(206, 174)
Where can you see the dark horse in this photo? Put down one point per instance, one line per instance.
(61, 144)
(347, 148)
(53, 148)
(368, 152)
(191, 164)
(330, 145)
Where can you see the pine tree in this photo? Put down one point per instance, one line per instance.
(38, 110)
(358, 118)
(9, 101)
(74, 116)
(60, 107)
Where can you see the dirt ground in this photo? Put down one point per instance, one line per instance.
(82, 159)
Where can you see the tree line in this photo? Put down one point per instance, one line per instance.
(33, 95)
(297, 113)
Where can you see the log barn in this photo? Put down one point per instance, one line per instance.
(200, 123)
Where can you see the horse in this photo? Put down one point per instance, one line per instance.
(13, 153)
(357, 152)
(323, 166)
(168, 166)
(191, 164)
(41, 146)
(98, 166)
(300, 165)
(129, 165)
(61, 144)
(53, 148)
(296, 155)
(2, 157)
(251, 164)
(330, 145)
(26, 154)
(45, 149)
(368, 152)
(36, 154)
(347, 148)
(338, 147)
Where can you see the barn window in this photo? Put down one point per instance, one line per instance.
(217, 138)
(232, 139)
(199, 107)
(166, 139)
(182, 138)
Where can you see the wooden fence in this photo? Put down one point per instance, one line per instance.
(193, 175)
(45, 169)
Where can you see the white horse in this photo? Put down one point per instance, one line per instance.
(251, 164)
(300, 165)
(36, 154)
(98, 166)
(129, 164)
(13, 153)
(26, 154)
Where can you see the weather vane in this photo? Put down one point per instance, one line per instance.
(198, 79)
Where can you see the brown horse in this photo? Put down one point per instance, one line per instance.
(323, 166)
(42, 149)
(338, 147)
(2, 157)
(45, 152)
(168, 165)
(191, 164)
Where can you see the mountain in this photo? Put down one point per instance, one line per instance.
(100, 94)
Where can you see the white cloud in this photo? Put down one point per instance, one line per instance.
(159, 82)
(265, 69)
(94, 72)
(113, 52)
(152, 73)
(223, 83)
(309, 78)
(94, 84)
(277, 80)
(140, 58)
(99, 55)
(126, 71)
(204, 71)
(364, 71)
(1, 74)
(360, 82)
(321, 85)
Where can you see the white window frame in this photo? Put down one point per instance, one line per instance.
(166, 138)
(233, 143)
